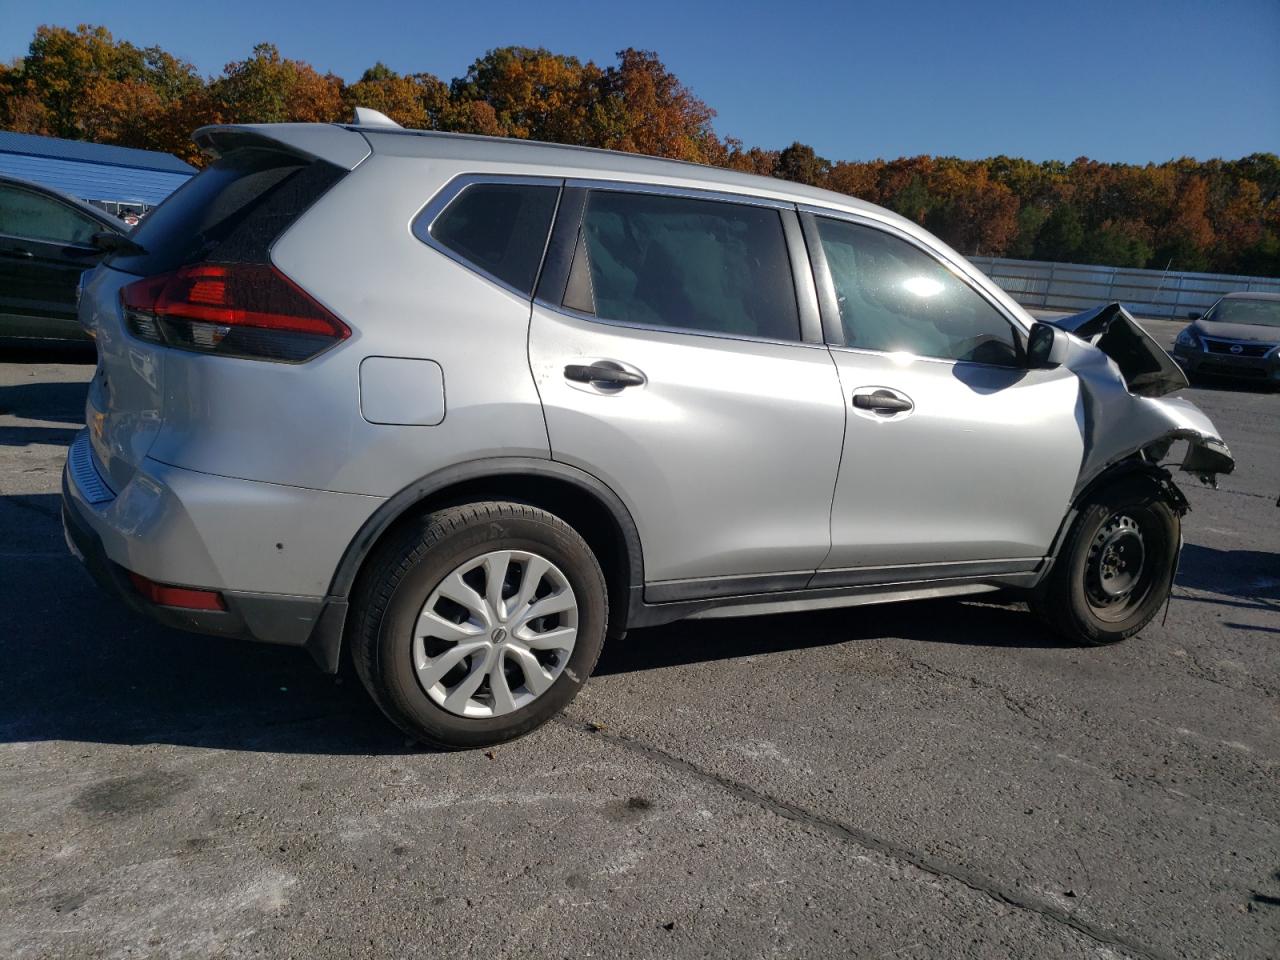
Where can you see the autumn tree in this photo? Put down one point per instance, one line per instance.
(972, 213)
(419, 101)
(62, 66)
(755, 160)
(534, 95)
(1223, 215)
(642, 107)
(1184, 240)
(268, 88)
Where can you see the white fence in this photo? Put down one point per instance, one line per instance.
(1072, 287)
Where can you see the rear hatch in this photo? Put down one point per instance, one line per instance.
(202, 281)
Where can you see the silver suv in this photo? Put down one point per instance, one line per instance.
(466, 407)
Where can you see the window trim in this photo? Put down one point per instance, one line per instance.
(558, 259)
(422, 222)
(834, 329)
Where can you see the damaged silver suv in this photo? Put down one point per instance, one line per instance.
(467, 407)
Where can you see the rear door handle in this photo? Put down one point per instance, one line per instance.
(20, 252)
(604, 372)
(882, 401)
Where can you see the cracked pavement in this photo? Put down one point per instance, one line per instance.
(914, 780)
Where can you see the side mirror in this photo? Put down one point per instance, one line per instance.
(1194, 315)
(1047, 346)
(108, 241)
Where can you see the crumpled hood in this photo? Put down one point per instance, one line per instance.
(1147, 370)
(1125, 378)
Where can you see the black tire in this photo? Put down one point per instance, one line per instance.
(401, 576)
(1083, 598)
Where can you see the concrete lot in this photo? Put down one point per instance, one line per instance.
(927, 780)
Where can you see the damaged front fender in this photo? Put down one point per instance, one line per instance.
(1124, 408)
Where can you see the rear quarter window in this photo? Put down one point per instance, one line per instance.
(497, 228)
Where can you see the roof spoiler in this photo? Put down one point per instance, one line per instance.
(313, 141)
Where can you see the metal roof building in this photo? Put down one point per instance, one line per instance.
(93, 171)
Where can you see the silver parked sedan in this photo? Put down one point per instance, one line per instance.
(467, 407)
(1238, 337)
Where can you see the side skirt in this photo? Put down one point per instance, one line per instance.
(644, 614)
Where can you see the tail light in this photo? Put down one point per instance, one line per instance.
(247, 310)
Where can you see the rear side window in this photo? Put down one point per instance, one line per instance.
(896, 298)
(229, 213)
(499, 228)
(697, 265)
(34, 217)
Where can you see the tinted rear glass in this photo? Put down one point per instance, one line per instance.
(501, 228)
(231, 212)
(700, 265)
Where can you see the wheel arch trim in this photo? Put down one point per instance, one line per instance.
(399, 504)
(1132, 466)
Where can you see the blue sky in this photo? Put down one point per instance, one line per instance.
(1125, 80)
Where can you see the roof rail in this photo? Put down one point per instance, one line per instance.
(368, 117)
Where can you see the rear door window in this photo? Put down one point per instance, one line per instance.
(706, 266)
(500, 229)
(31, 216)
(896, 298)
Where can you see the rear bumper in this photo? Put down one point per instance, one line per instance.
(265, 618)
(153, 527)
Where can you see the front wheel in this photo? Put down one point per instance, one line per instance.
(478, 623)
(1115, 568)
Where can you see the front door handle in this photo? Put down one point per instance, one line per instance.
(21, 252)
(882, 401)
(604, 372)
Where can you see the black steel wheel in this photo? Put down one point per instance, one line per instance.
(1116, 566)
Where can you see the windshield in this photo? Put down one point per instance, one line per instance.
(1260, 313)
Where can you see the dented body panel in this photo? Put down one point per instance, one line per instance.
(1125, 411)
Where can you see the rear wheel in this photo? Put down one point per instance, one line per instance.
(478, 623)
(1115, 568)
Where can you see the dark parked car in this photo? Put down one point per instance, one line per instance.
(1238, 337)
(46, 243)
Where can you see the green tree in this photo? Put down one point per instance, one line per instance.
(800, 164)
(268, 88)
(1061, 236)
(913, 201)
(1030, 221)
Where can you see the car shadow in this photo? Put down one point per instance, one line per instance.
(979, 623)
(48, 402)
(20, 350)
(1248, 579)
(1231, 385)
(80, 666)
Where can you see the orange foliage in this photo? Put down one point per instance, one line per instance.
(1224, 215)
